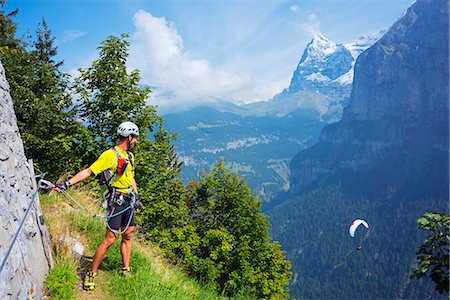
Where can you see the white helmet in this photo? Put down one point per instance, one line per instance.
(127, 128)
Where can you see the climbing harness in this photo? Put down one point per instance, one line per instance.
(111, 204)
(112, 199)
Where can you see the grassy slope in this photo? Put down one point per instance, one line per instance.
(153, 277)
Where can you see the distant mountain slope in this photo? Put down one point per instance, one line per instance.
(259, 148)
(385, 161)
(259, 140)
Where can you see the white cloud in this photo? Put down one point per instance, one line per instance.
(294, 8)
(311, 26)
(157, 50)
(71, 35)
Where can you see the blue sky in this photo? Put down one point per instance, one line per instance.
(240, 51)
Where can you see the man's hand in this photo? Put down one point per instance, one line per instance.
(62, 187)
(137, 202)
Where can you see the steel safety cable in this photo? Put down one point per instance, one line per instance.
(33, 198)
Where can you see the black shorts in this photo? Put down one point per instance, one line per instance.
(121, 220)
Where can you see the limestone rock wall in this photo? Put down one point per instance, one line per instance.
(29, 261)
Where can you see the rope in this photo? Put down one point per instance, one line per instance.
(47, 184)
(33, 198)
(128, 224)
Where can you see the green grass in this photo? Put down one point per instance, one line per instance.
(62, 279)
(153, 276)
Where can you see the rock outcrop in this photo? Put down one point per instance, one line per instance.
(29, 261)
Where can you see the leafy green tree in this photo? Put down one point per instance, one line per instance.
(162, 191)
(110, 95)
(433, 254)
(235, 251)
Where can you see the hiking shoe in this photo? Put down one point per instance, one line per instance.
(89, 284)
(126, 271)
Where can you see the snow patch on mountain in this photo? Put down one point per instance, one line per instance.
(362, 43)
(320, 47)
(346, 79)
(319, 77)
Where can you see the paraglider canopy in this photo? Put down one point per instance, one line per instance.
(355, 225)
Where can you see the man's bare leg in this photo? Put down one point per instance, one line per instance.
(125, 246)
(109, 239)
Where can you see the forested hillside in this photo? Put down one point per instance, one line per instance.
(258, 147)
(214, 227)
(313, 229)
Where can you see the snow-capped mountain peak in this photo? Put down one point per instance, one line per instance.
(322, 81)
(322, 62)
(323, 78)
(321, 45)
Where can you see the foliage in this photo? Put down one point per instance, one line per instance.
(231, 245)
(110, 95)
(433, 254)
(162, 191)
(61, 280)
(50, 124)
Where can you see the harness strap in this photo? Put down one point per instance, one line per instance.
(130, 158)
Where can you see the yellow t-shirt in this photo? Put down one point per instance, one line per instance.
(108, 160)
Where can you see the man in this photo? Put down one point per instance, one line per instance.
(123, 189)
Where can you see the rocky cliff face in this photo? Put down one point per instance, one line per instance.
(28, 263)
(394, 131)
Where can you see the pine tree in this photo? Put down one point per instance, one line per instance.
(49, 123)
(41, 100)
(8, 29)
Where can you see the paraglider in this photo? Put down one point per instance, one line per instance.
(355, 224)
